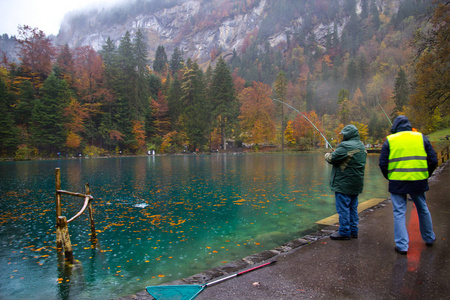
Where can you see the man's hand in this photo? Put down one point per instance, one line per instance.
(328, 157)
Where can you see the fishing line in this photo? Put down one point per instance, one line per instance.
(307, 120)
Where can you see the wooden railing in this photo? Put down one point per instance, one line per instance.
(443, 155)
(62, 230)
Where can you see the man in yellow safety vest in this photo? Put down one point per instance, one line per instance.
(407, 160)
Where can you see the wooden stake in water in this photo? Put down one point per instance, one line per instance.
(62, 230)
(91, 215)
(68, 252)
(59, 240)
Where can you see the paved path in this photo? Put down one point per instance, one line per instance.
(363, 268)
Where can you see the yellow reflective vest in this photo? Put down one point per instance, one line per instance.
(407, 157)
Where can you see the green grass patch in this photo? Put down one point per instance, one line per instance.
(438, 140)
(438, 135)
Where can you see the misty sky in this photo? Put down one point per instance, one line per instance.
(46, 15)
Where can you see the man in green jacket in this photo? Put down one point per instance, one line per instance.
(347, 181)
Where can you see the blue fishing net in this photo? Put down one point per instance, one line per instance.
(175, 292)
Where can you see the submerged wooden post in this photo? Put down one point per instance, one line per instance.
(62, 230)
(59, 239)
(68, 252)
(91, 215)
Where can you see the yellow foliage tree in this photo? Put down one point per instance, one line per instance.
(257, 113)
(337, 131)
(363, 131)
(167, 142)
(289, 133)
(73, 140)
(76, 114)
(139, 135)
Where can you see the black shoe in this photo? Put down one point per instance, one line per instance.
(430, 244)
(354, 236)
(337, 236)
(400, 251)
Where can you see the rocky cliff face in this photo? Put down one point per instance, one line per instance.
(168, 27)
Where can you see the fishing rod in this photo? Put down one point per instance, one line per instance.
(306, 119)
(384, 111)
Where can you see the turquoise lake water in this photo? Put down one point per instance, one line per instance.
(159, 218)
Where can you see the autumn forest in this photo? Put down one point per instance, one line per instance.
(61, 101)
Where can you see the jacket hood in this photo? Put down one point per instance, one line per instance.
(401, 123)
(350, 132)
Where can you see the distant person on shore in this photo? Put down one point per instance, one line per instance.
(347, 181)
(407, 160)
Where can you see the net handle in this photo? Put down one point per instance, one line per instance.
(238, 274)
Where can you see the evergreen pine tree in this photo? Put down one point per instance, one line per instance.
(352, 77)
(401, 92)
(140, 54)
(109, 56)
(225, 107)
(24, 106)
(176, 61)
(174, 101)
(160, 62)
(108, 53)
(48, 132)
(194, 104)
(8, 131)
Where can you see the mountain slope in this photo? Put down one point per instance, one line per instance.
(189, 25)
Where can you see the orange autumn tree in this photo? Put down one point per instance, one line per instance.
(90, 80)
(306, 136)
(257, 114)
(76, 115)
(160, 111)
(139, 135)
(35, 56)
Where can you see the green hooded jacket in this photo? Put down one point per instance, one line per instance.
(349, 161)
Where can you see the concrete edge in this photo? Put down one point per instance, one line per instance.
(334, 219)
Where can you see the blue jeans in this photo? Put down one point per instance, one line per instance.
(347, 209)
(426, 225)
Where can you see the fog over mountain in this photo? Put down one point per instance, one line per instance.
(201, 28)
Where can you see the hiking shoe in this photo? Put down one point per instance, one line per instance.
(400, 251)
(338, 236)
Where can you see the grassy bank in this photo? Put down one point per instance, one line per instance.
(438, 139)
